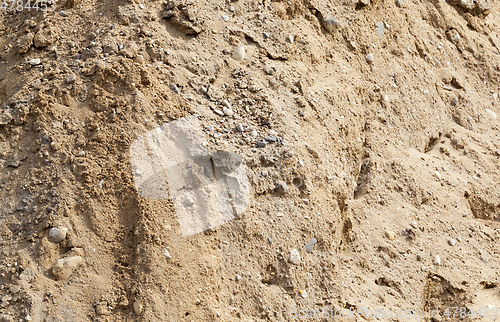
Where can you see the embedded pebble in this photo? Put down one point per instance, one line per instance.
(225, 18)
(166, 253)
(437, 260)
(294, 257)
(240, 127)
(226, 103)
(239, 53)
(491, 114)
(456, 38)
(57, 235)
(175, 89)
(309, 246)
(265, 173)
(227, 111)
(64, 267)
(414, 225)
(290, 39)
(266, 35)
(270, 240)
(484, 259)
(271, 138)
(452, 242)
(419, 258)
(331, 24)
(253, 133)
(71, 79)
(141, 6)
(137, 307)
(261, 144)
(437, 175)
(139, 59)
(390, 235)
(369, 58)
(281, 187)
(35, 61)
(238, 277)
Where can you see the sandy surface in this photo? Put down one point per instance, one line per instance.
(384, 135)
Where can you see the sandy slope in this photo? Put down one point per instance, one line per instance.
(385, 161)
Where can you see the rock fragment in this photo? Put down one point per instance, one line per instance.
(57, 235)
(281, 187)
(331, 24)
(239, 54)
(390, 235)
(294, 257)
(309, 246)
(64, 267)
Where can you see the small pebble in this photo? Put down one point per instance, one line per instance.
(265, 173)
(57, 235)
(225, 18)
(137, 307)
(266, 35)
(491, 114)
(419, 258)
(141, 6)
(309, 246)
(71, 79)
(227, 111)
(175, 89)
(281, 187)
(290, 39)
(484, 259)
(437, 175)
(437, 260)
(238, 277)
(452, 242)
(166, 253)
(253, 133)
(390, 235)
(139, 59)
(271, 138)
(239, 53)
(369, 58)
(294, 257)
(240, 127)
(331, 24)
(270, 240)
(35, 61)
(261, 144)
(456, 38)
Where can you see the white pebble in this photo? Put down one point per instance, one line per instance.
(239, 53)
(456, 38)
(452, 242)
(437, 260)
(491, 114)
(35, 61)
(225, 18)
(290, 39)
(437, 175)
(227, 111)
(166, 253)
(294, 257)
(369, 58)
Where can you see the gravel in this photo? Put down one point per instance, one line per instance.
(309, 246)
(281, 187)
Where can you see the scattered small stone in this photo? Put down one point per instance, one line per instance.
(225, 18)
(271, 138)
(265, 173)
(270, 240)
(437, 260)
(64, 267)
(414, 225)
(303, 294)
(399, 3)
(437, 175)
(57, 235)
(390, 235)
(261, 144)
(140, 59)
(454, 102)
(175, 89)
(239, 53)
(484, 259)
(240, 127)
(266, 35)
(456, 38)
(419, 258)
(459, 239)
(253, 133)
(369, 58)
(141, 6)
(227, 111)
(35, 61)
(71, 79)
(137, 307)
(290, 39)
(238, 277)
(166, 253)
(380, 29)
(309, 246)
(452, 242)
(281, 187)
(491, 114)
(294, 257)
(331, 24)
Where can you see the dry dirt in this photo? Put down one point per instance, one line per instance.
(385, 161)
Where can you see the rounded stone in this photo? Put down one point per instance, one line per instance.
(390, 235)
(369, 58)
(57, 235)
(452, 242)
(294, 257)
(239, 54)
